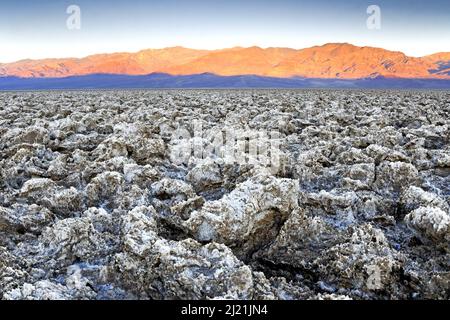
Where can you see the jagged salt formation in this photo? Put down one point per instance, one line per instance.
(96, 202)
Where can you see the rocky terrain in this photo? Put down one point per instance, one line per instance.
(96, 204)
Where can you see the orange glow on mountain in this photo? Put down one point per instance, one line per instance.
(334, 60)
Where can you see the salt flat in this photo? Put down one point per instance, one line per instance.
(245, 194)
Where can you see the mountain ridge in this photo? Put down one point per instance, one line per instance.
(328, 61)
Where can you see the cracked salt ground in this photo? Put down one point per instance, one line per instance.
(94, 205)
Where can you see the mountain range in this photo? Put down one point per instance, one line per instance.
(329, 61)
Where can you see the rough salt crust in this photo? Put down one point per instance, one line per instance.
(96, 204)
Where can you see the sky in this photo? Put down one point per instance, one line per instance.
(38, 29)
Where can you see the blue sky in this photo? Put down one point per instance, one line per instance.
(37, 29)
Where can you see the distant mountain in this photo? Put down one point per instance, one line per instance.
(442, 61)
(139, 63)
(207, 80)
(238, 61)
(337, 61)
(330, 61)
